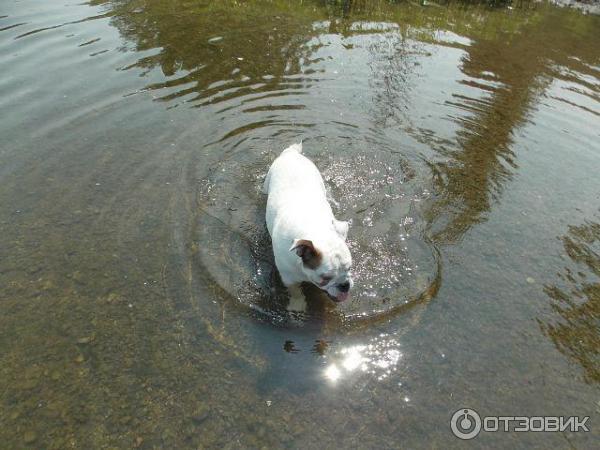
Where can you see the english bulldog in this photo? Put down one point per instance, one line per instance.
(309, 244)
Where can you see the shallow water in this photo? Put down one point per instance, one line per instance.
(139, 306)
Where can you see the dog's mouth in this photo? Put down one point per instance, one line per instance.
(341, 297)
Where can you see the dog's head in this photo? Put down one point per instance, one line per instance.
(327, 262)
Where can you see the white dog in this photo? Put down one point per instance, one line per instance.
(308, 242)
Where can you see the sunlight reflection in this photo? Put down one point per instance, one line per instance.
(332, 372)
(378, 358)
(352, 358)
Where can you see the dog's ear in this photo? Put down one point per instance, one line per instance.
(341, 228)
(311, 256)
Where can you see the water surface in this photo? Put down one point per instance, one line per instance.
(139, 305)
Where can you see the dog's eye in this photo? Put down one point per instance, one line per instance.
(326, 279)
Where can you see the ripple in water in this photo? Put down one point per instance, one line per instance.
(394, 267)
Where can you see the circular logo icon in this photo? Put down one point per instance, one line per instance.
(465, 423)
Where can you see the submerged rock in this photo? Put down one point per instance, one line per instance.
(29, 437)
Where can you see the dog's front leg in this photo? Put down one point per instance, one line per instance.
(297, 300)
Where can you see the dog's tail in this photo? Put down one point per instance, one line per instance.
(293, 148)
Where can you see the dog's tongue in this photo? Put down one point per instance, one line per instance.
(342, 296)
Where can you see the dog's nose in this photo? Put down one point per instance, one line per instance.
(344, 287)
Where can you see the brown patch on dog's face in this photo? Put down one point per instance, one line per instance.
(311, 256)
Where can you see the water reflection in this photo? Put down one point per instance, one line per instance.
(504, 77)
(575, 297)
(254, 49)
(512, 74)
(332, 373)
(378, 358)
